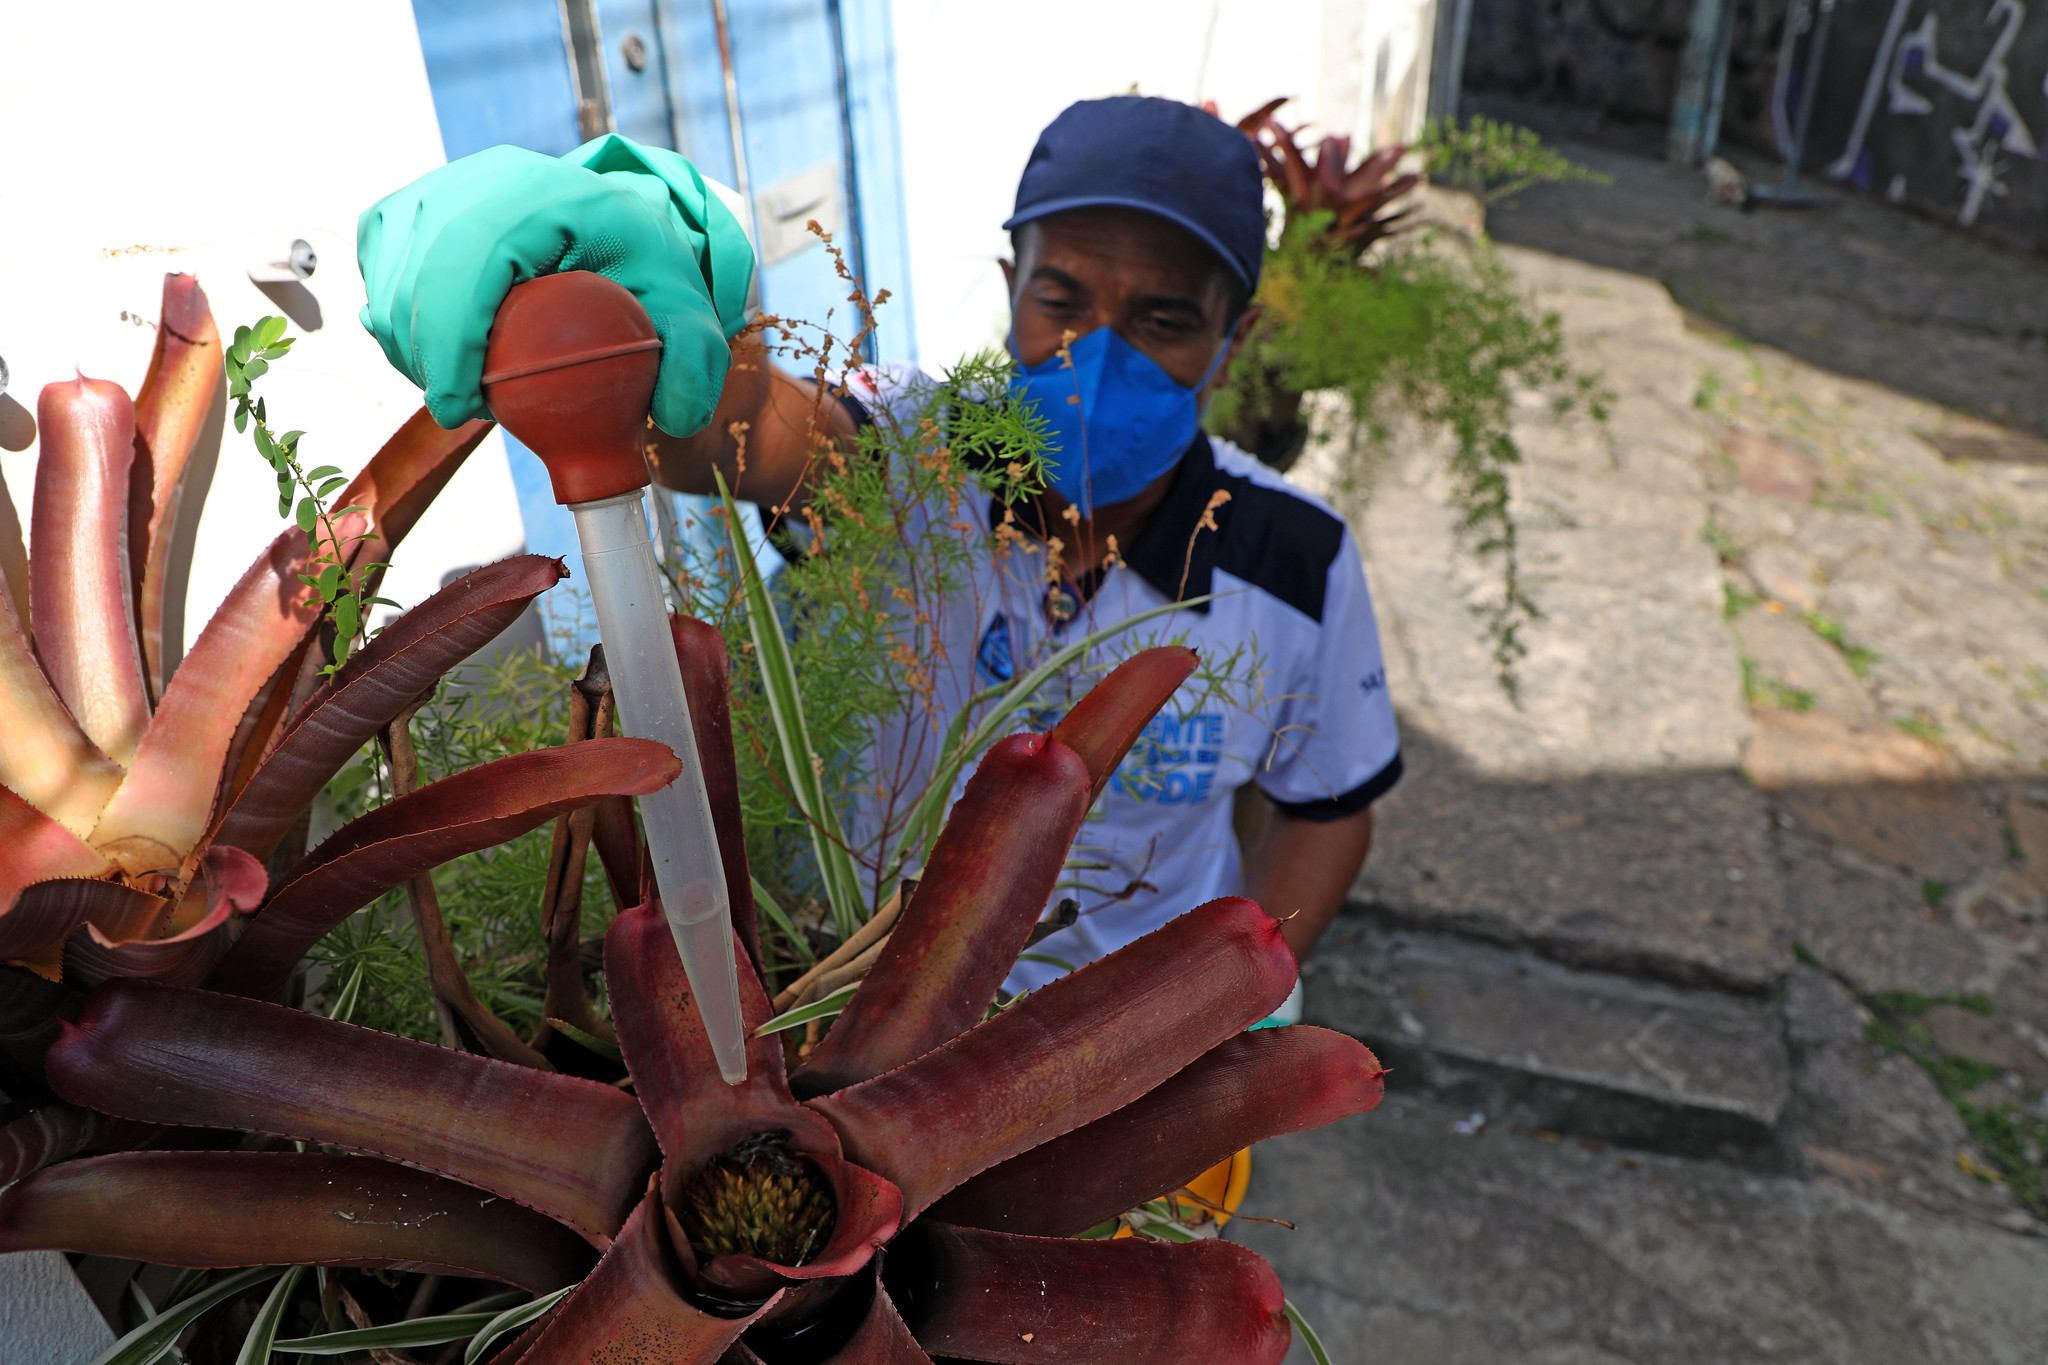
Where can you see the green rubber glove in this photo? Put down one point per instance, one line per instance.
(439, 256)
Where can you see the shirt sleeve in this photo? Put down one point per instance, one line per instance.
(1336, 748)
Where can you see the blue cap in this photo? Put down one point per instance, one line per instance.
(1159, 156)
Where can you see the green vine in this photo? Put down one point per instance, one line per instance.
(1494, 160)
(1442, 339)
(341, 589)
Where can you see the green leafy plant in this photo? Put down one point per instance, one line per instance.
(1495, 160)
(1408, 331)
(342, 585)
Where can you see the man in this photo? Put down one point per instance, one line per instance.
(1138, 236)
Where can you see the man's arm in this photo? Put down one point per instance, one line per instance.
(785, 420)
(1304, 869)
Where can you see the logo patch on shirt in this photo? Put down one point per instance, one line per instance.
(1375, 681)
(1174, 761)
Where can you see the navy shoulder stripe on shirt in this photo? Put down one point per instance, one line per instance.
(1271, 538)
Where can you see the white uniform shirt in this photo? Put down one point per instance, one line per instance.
(1306, 715)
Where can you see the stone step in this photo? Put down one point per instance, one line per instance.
(1525, 1041)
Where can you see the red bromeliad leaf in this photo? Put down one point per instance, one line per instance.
(882, 1338)
(179, 396)
(573, 1149)
(696, 1116)
(630, 1310)
(694, 1113)
(58, 1131)
(1104, 724)
(991, 872)
(161, 810)
(217, 1209)
(80, 587)
(1048, 1301)
(1244, 1090)
(616, 836)
(474, 809)
(183, 959)
(35, 848)
(378, 682)
(47, 761)
(700, 649)
(43, 918)
(1066, 1054)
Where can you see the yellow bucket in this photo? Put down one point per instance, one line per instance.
(1221, 1187)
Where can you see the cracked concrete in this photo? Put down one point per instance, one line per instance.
(1782, 754)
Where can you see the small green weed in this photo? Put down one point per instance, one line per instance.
(1725, 546)
(1707, 235)
(2012, 1140)
(1921, 728)
(1763, 690)
(1709, 391)
(1856, 656)
(1934, 892)
(1734, 603)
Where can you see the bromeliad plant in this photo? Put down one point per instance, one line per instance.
(1357, 304)
(151, 819)
(912, 1192)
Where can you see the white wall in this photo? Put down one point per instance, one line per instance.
(978, 79)
(145, 137)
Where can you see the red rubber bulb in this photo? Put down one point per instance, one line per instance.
(570, 370)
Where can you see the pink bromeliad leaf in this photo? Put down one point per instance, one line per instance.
(573, 1149)
(471, 810)
(217, 1209)
(83, 602)
(1244, 1090)
(162, 808)
(34, 848)
(180, 395)
(1067, 1054)
(379, 681)
(1025, 1300)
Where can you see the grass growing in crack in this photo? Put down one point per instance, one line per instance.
(2013, 1140)
(1725, 546)
(1925, 730)
(1856, 656)
(1763, 690)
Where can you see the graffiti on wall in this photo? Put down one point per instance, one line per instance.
(1908, 73)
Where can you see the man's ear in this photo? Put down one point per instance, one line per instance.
(1009, 275)
(1240, 333)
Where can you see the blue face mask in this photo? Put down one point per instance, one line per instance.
(1133, 422)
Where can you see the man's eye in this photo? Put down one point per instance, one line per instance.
(1054, 303)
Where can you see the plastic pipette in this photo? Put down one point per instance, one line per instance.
(569, 371)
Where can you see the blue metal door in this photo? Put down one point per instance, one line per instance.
(793, 103)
